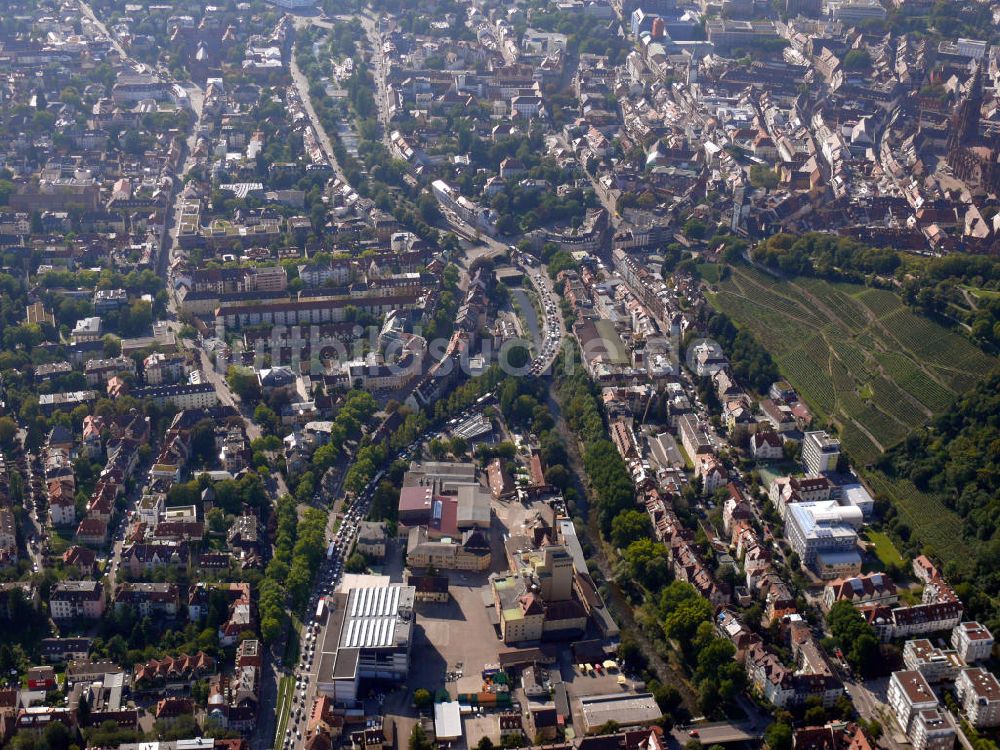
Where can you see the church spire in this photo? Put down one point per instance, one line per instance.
(965, 121)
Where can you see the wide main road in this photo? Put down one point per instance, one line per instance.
(302, 89)
(553, 326)
(89, 13)
(381, 89)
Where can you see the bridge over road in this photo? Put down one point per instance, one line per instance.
(719, 733)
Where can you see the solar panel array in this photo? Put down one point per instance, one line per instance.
(371, 620)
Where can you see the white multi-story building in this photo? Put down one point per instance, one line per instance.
(711, 471)
(854, 493)
(201, 396)
(69, 600)
(16, 223)
(767, 446)
(159, 368)
(267, 279)
(100, 371)
(107, 300)
(149, 599)
(135, 87)
(908, 695)
(87, 329)
(820, 452)
(932, 730)
(150, 508)
(935, 664)
(853, 11)
(366, 633)
(320, 274)
(372, 538)
(694, 437)
(730, 34)
(480, 217)
(979, 694)
(808, 489)
(866, 589)
(972, 641)
(62, 510)
(974, 48)
(313, 311)
(825, 537)
(526, 107)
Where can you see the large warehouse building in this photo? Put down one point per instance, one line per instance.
(366, 634)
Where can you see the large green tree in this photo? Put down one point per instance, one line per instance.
(683, 610)
(628, 527)
(855, 637)
(648, 563)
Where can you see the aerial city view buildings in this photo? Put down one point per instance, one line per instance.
(578, 374)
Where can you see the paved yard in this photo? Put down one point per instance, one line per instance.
(453, 641)
(456, 637)
(392, 565)
(580, 684)
(477, 727)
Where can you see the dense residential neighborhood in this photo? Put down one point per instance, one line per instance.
(581, 374)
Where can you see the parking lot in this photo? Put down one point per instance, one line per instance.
(454, 639)
(580, 684)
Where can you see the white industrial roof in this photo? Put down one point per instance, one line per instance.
(372, 614)
(447, 720)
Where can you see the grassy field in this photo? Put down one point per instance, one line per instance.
(858, 356)
(864, 362)
(885, 550)
(59, 541)
(982, 293)
(709, 272)
(286, 687)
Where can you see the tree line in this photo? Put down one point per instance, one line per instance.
(604, 466)
(952, 289)
(751, 364)
(956, 458)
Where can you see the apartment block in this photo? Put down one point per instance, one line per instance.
(972, 641)
(182, 396)
(820, 452)
(979, 695)
(72, 599)
(935, 664)
(915, 707)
